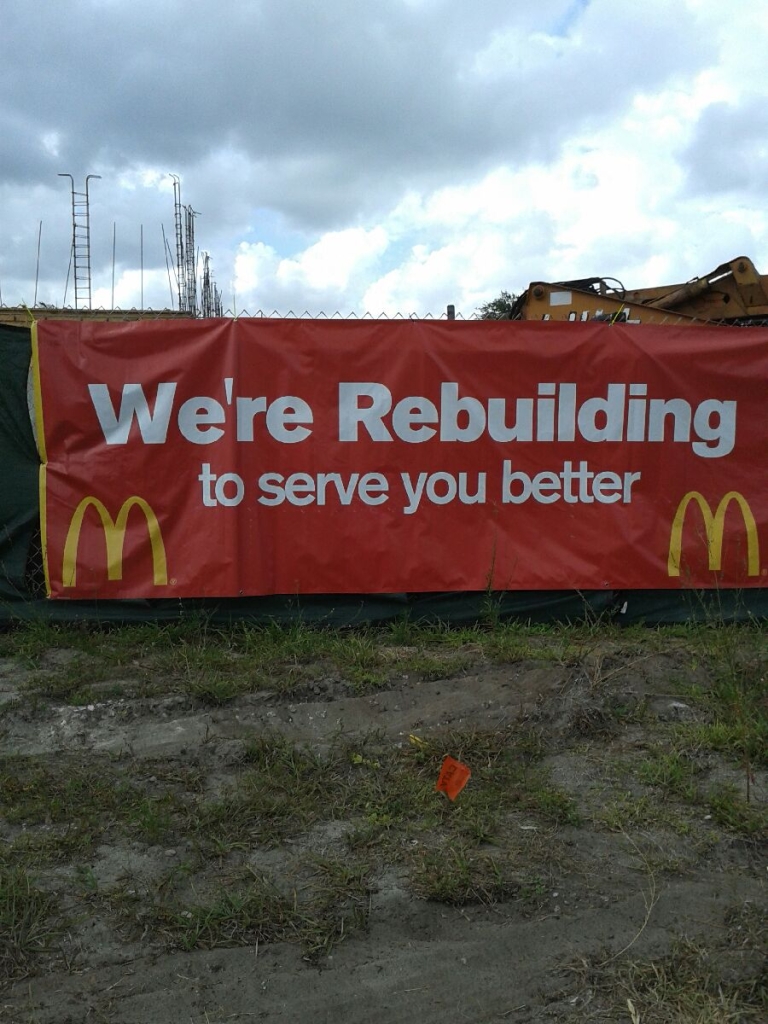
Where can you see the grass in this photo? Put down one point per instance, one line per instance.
(240, 914)
(216, 665)
(77, 803)
(729, 730)
(729, 810)
(30, 921)
(672, 771)
(630, 811)
(737, 701)
(283, 790)
(693, 984)
(249, 907)
(210, 817)
(460, 875)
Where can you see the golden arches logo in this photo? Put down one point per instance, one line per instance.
(714, 526)
(114, 536)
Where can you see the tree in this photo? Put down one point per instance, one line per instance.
(499, 308)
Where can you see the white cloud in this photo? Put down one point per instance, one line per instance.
(390, 159)
(323, 273)
(331, 262)
(129, 287)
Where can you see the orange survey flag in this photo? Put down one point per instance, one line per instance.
(453, 777)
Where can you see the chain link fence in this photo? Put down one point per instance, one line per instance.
(34, 574)
(23, 316)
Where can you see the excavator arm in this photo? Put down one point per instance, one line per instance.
(733, 293)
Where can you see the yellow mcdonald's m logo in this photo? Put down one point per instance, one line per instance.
(114, 535)
(714, 525)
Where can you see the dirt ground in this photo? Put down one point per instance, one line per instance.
(180, 854)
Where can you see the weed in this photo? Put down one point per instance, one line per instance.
(672, 771)
(216, 690)
(248, 908)
(280, 790)
(738, 700)
(338, 899)
(402, 630)
(508, 641)
(552, 804)
(79, 802)
(692, 985)
(730, 811)
(459, 875)
(374, 796)
(151, 818)
(85, 878)
(29, 921)
(235, 915)
(430, 667)
(629, 811)
(70, 683)
(534, 887)
(31, 641)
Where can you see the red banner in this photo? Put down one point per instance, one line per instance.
(226, 458)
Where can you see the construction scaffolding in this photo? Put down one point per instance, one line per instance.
(80, 258)
(194, 300)
(210, 297)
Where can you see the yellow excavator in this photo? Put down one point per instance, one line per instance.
(734, 293)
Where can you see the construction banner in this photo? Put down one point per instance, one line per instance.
(223, 458)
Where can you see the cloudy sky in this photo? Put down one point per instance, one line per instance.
(382, 156)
